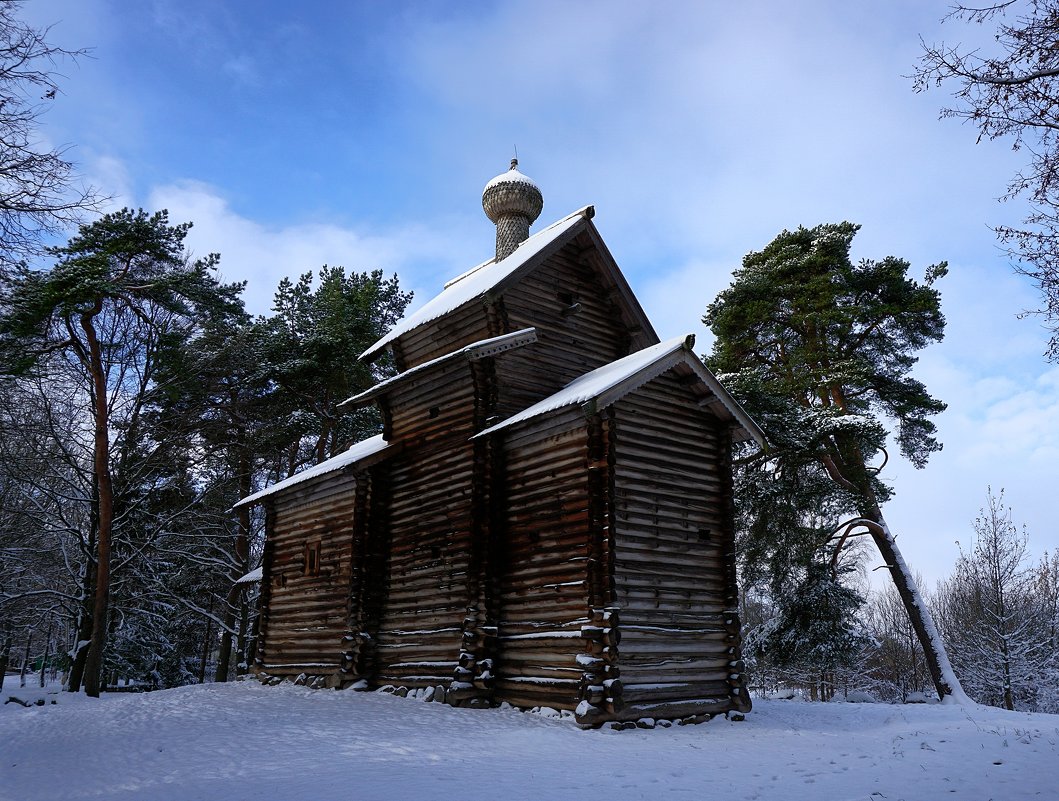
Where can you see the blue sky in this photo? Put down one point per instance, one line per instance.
(362, 133)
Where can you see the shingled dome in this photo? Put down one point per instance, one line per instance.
(512, 202)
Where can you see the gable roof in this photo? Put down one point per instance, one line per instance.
(356, 453)
(473, 352)
(492, 277)
(609, 383)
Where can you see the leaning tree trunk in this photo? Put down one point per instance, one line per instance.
(945, 681)
(944, 677)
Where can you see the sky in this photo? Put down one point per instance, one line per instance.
(361, 134)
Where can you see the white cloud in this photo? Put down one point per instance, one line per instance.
(111, 177)
(262, 255)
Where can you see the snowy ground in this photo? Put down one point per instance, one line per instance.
(243, 742)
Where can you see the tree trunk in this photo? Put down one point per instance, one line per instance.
(25, 660)
(242, 556)
(945, 681)
(80, 652)
(5, 657)
(47, 653)
(84, 617)
(104, 483)
(224, 653)
(205, 649)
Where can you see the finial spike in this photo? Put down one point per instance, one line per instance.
(514, 163)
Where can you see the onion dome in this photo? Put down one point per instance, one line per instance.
(512, 201)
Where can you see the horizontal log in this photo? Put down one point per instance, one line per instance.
(647, 409)
(677, 571)
(534, 685)
(706, 646)
(676, 709)
(431, 596)
(705, 618)
(523, 669)
(664, 540)
(525, 611)
(659, 693)
(671, 585)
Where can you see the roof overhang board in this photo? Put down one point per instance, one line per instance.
(746, 424)
(476, 351)
(359, 456)
(634, 382)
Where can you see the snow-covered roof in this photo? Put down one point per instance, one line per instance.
(253, 577)
(476, 283)
(473, 352)
(357, 452)
(613, 381)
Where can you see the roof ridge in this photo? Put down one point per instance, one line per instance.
(478, 281)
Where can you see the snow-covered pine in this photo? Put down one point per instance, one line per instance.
(819, 350)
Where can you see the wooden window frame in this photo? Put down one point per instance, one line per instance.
(312, 557)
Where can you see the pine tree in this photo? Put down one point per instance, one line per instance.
(121, 291)
(819, 350)
(316, 338)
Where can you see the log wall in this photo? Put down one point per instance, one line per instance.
(304, 607)
(673, 554)
(465, 326)
(429, 524)
(579, 328)
(543, 582)
(578, 319)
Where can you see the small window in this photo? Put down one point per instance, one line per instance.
(312, 558)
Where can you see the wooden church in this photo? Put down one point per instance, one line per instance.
(546, 518)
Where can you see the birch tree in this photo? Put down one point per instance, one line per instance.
(40, 194)
(1009, 90)
(994, 614)
(820, 352)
